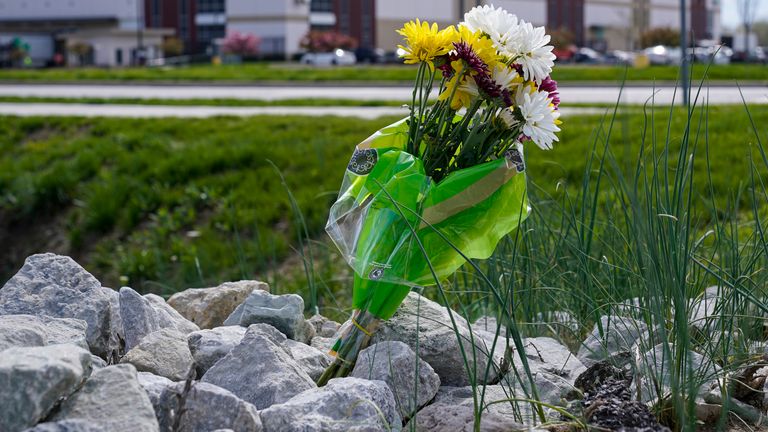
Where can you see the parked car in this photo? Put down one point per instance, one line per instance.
(620, 57)
(588, 55)
(334, 58)
(659, 55)
(369, 55)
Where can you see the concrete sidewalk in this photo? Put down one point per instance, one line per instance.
(573, 94)
(158, 111)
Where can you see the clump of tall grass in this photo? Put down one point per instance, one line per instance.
(638, 238)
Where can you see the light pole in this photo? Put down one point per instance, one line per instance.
(683, 52)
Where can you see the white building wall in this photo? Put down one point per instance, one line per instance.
(442, 11)
(666, 13)
(126, 11)
(276, 22)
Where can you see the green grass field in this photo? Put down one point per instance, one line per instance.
(252, 72)
(169, 203)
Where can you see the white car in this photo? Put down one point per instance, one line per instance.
(333, 58)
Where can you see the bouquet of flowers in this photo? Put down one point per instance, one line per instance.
(445, 184)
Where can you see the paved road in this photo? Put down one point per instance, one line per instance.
(150, 111)
(597, 94)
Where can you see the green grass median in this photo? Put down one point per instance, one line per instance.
(265, 72)
(164, 204)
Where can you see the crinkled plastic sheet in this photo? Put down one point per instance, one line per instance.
(398, 229)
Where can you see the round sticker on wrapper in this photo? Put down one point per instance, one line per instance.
(376, 273)
(513, 155)
(363, 161)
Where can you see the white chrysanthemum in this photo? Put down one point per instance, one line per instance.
(495, 22)
(528, 46)
(505, 76)
(539, 117)
(509, 119)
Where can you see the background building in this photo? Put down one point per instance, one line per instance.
(281, 24)
(120, 32)
(100, 32)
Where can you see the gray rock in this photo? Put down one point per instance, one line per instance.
(344, 404)
(206, 407)
(557, 322)
(620, 334)
(33, 379)
(211, 345)
(654, 373)
(65, 331)
(30, 330)
(209, 307)
(97, 362)
(284, 312)
(311, 360)
(704, 314)
(396, 364)
(323, 326)
(259, 370)
(495, 400)
(488, 323)
(164, 352)
(547, 355)
(459, 418)
(116, 334)
(113, 399)
(67, 426)
(322, 344)
(143, 315)
(433, 338)
(154, 386)
(57, 286)
(21, 331)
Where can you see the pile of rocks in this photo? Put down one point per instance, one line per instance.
(77, 356)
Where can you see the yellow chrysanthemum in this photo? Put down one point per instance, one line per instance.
(465, 92)
(480, 44)
(424, 42)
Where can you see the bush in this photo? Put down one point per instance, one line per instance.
(242, 44)
(327, 41)
(660, 36)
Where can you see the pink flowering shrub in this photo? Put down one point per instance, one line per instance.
(327, 41)
(242, 44)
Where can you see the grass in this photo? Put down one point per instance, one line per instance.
(253, 72)
(653, 205)
(148, 202)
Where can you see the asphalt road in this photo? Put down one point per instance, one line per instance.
(716, 94)
(154, 111)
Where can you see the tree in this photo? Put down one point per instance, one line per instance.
(172, 47)
(747, 12)
(242, 44)
(561, 39)
(760, 28)
(660, 36)
(327, 41)
(81, 50)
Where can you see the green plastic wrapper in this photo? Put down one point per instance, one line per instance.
(391, 221)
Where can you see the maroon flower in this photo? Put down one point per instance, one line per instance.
(549, 85)
(464, 52)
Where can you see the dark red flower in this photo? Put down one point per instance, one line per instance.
(549, 85)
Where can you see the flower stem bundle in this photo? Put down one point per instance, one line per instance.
(446, 183)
